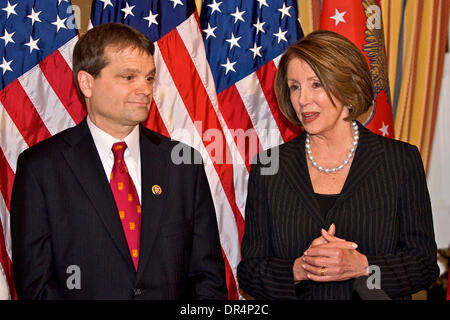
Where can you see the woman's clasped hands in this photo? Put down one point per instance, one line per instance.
(330, 258)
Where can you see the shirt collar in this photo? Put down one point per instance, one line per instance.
(104, 141)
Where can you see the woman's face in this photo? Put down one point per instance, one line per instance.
(311, 103)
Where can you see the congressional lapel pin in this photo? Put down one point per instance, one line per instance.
(156, 190)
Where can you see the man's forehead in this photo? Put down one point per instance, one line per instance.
(124, 50)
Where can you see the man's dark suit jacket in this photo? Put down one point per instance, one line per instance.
(63, 214)
(384, 207)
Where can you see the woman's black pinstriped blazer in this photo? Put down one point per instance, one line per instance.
(384, 207)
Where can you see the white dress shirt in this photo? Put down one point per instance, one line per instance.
(104, 142)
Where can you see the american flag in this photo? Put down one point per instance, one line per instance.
(37, 97)
(244, 41)
(214, 86)
(215, 89)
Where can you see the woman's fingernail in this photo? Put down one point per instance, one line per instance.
(354, 245)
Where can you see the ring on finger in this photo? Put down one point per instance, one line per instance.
(322, 271)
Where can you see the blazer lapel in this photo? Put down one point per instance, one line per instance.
(86, 165)
(154, 161)
(368, 157)
(294, 169)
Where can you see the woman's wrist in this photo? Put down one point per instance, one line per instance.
(365, 270)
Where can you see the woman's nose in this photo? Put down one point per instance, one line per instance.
(304, 96)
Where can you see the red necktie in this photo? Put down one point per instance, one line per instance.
(127, 200)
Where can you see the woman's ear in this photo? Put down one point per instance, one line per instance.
(85, 81)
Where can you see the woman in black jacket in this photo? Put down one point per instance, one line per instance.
(340, 177)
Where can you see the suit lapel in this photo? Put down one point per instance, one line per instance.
(154, 162)
(294, 169)
(368, 157)
(86, 165)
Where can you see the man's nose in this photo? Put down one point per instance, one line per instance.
(144, 87)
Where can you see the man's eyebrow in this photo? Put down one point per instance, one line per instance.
(131, 70)
(134, 70)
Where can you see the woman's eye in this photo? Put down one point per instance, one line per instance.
(293, 87)
(317, 84)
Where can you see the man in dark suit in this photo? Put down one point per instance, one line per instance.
(73, 236)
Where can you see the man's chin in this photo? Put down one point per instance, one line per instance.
(140, 116)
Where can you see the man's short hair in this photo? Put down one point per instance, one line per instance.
(88, 54)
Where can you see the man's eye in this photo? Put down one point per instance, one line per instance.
(128, 77)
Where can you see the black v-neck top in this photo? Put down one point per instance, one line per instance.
(326, 202)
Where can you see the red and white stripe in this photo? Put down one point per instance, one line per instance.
(185, 98)
(189, 110)
(186, 108)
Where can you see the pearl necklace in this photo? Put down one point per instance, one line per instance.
(344, 163)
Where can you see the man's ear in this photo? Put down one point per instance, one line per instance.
(85, 80)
